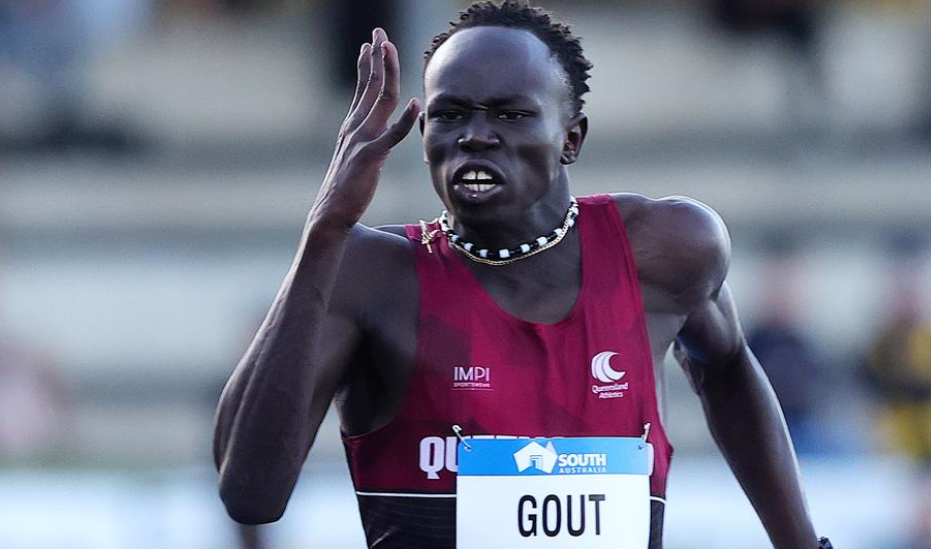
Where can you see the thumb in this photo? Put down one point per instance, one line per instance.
(399, 130)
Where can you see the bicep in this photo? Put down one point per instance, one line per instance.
(340, 339)
(328, 346)
(712, 333)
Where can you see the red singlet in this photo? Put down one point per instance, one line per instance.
(479, 367)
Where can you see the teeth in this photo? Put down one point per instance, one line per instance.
(478, 187)
(473, 175)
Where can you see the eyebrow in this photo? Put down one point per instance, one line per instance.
(488, 103)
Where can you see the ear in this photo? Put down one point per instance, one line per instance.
(422, 119)
(576, 130)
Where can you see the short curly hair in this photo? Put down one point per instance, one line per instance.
(519, 15)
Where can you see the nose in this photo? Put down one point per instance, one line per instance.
(477, 135)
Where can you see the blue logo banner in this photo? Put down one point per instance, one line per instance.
(555, 456)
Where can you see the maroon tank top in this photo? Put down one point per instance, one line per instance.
(494, 374)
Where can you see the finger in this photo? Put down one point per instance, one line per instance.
(387, 100)
(377, 73)
(373, 85)
(399, 130)
(364, 67)
(378, 36)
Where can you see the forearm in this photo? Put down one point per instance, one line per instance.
(747, 424)
(265, 421)
(270, 410)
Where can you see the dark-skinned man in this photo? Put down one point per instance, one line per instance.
(519, 312)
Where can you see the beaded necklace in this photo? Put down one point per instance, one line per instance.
(504, 256)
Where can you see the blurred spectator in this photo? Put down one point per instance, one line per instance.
(899, 363)
(48, 40)
(797, 25)
(924, 128)
(33, 401)
(786, 351)
(349, 25)
(42, 38)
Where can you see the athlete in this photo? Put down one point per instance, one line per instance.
(515, 313)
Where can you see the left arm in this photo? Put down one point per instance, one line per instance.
(682, 251)
(746, 421)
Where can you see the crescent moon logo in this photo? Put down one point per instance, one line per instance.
(602, 370)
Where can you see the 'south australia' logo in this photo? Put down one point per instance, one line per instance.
(542, 458)
(546, 459)
(608, 376)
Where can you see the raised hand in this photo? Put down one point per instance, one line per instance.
(365, 138)
(272, 406)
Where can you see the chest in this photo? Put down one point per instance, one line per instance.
(543, 289)
(488, 330)
(499, 326)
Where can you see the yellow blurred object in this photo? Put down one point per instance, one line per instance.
(908, 429)
(919, 351)
(900, 364)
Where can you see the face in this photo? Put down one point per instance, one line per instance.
(498, 128)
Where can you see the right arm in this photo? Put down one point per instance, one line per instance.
(273, 404)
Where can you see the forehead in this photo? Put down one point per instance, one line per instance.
(491, 62)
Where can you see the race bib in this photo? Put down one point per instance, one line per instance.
(559, 493)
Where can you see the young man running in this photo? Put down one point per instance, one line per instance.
(520, 311)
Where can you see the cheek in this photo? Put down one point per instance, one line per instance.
(551, 134)
(544, 152)
(433, 146)
(433, 154)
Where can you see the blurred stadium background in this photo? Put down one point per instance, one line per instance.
(157, 159)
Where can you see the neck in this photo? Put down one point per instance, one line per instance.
(540, 220)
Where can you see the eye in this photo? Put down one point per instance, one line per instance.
(447, 116)
(512, 115)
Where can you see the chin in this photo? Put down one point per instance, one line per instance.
(479, 215)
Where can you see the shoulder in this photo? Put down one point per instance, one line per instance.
(681, 246)
(377, 254)
(377, 263)
(377, 244)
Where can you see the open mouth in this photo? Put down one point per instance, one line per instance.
(476, 181)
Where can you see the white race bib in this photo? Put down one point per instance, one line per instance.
(560, 493)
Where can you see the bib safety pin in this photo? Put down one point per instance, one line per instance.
(427, 236)
(458, 430)
(646, 433)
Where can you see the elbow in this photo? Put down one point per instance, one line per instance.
(247, 510)
(248, 506)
